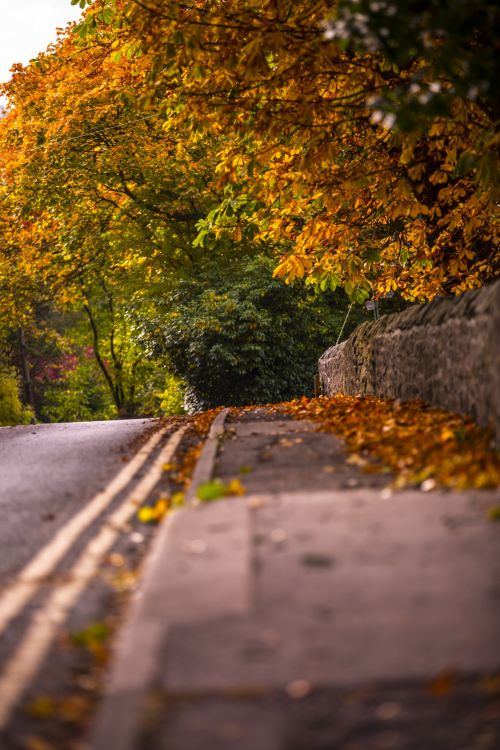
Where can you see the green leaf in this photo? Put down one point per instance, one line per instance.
(211, 491)
(95, 632)
(107, 15)
(334, 282)
(200, 238)
(349, 288)
(493, 513)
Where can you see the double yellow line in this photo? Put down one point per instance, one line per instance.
(25, 661)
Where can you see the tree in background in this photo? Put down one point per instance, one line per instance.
(305, 91)
(12, 410)
(93, 209)
(448, 48)
(157, 141)
(238, 336)
(12, 406)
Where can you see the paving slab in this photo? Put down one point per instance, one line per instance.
(349, 588)
(273, 456)
(399, 716)
(306, 618)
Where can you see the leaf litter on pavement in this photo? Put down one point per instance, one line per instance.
(420, 445)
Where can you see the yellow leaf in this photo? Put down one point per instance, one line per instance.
(42, 707)
(235, 487)
(37, 743)
(146, 515)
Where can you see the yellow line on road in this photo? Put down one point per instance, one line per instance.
(28, 580)
(28, 657)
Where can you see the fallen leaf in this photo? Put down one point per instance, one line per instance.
(415, 442)
(154, 513)
(94, 634)
(216, 489)
(235, 488)
(493, 514)
(442, 684)
(116, 560)
(37, 743)
(74, 708)
(213, 490)
(42, 707)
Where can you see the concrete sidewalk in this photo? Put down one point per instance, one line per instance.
(319, 611)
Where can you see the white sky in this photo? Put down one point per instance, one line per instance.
(28, 26)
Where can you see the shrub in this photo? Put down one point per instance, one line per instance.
(12, 410)
(237, 336)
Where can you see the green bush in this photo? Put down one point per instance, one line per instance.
(80, 396)
(238, 336)
(172, 398)
(12, 410)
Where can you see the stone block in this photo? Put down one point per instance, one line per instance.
(445, 352)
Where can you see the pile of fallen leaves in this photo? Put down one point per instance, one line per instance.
(420, 445)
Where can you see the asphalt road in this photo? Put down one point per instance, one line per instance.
(48, 472)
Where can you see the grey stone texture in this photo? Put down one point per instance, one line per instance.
(446, 352)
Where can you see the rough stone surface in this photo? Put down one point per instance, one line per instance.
(446, 352)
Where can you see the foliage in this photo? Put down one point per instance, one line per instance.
(454, 41)
(12, 410)
(78, 395)
(156, 138)
(90, 219)
(346, 198)
(237, 336)
(421, 445)
(172, 398)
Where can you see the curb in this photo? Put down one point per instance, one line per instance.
(146, 627)
(205, 464)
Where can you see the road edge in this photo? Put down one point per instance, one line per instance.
(133, 665)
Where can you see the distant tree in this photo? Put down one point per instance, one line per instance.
(12, 410)
(238, 336)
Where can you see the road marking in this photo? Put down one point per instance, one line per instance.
(28, 580)
(28, 657)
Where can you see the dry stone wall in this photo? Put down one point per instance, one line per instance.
(446, 352)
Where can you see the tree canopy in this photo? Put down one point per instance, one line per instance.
(353, 143)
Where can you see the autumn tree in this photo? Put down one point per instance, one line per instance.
(349, 198)
(156, 137)
(98, 200)
(106, 201)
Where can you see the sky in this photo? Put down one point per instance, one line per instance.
(28, 26)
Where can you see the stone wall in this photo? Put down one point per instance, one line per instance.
(446, 352)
